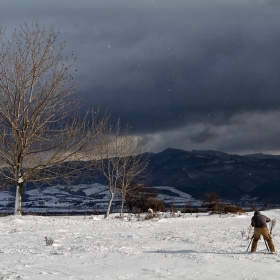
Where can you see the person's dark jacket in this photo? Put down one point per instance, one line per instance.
(259, 220)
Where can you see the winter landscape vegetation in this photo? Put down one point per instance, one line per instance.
(141, 146)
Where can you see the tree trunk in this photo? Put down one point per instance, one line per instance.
(18, 201)
(122, 205)
(109, 205)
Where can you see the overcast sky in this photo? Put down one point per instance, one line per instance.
(189, 74)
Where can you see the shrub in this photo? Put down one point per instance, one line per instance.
(223, 208)
(157, 204)
(211, 201)
(142, 198)
(49, 241)
(229, 208)
(190, 208)
(214, 205)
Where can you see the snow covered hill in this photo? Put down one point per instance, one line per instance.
(90, 247)
(91, 198)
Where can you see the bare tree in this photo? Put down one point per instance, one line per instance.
(120, 162)
(134, 166)
(39, 128)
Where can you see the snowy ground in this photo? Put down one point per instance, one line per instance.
(188, 247)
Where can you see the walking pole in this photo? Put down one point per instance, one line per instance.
(250, 243)
(266, 245)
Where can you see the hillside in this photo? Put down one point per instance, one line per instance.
(179, 177)
(231, 176)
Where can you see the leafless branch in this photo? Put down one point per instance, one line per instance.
(41, 131)
(120, 161)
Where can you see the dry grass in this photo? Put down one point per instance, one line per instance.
(272, 225)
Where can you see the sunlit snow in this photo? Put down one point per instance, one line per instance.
(198, 246)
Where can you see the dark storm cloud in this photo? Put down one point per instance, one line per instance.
(202, 136)
(243, 134)
(187, 66)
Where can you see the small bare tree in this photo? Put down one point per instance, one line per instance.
(108, 161)
(39, 128)
(134, 167)
(119, 161)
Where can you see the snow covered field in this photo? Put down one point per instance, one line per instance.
(188, 247)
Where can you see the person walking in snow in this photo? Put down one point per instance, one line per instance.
(259, 221)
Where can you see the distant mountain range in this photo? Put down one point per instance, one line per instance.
(179, 176)
(231, 176)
